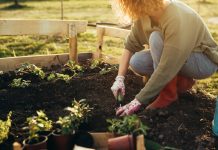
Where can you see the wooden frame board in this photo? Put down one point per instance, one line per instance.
(40, 27)
(11, 63)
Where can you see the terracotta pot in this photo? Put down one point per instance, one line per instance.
(125, 142)
(48, 134)
(62, 142)
(31, 145)
(84, 139)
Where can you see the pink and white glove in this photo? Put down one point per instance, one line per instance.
(118, 85)
(129, 108)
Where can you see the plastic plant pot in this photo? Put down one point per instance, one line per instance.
(125, 142)
(84, 139)
(48, 134)
(61, 141)
(7, 144)
(35, 145)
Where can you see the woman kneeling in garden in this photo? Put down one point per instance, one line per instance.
(181, 49)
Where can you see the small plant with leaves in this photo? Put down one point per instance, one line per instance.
(107, 70)
(28, 68)
(5, 128)
(19, 83)
(127, 125)
(60, 76)
(38, 123)
(78, 113)
(96, 63)
(74, 68)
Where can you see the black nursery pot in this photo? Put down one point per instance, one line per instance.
(62, 142)
(125, 142)
(7, 144)
(33, 145)
(84, 139)
(48, 134)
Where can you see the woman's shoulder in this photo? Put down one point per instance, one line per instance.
(178, 12)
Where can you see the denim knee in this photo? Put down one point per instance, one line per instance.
(141, 63)
(156, 44)
(156, 40)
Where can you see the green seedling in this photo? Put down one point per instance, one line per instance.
(96, 63)
(120, 96)
(28, 68)
(56, 76)
(19, 83)
(5, 128)
(127, 125)
(74, 68)
(107, 70)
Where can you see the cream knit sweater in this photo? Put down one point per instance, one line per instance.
(183, 31)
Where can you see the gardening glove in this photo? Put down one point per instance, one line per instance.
(129, 108)
(118, 87)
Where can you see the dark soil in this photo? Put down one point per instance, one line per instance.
(186, 124)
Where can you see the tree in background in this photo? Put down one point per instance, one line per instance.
(16, 3)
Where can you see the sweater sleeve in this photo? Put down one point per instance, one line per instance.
(178, 44)
(136, 39)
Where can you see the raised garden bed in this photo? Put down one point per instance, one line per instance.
(186, 124)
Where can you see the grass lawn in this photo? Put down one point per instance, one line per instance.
(93, 11)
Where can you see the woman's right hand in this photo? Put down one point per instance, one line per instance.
(118, 85)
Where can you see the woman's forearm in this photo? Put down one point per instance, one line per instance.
(124, 62)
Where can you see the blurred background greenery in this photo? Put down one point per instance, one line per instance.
(95, 11)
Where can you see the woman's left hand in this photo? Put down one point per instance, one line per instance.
(129, 108)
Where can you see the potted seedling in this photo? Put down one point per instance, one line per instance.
(5, 139)
(126, 129)
(63, 138)
(39, 130)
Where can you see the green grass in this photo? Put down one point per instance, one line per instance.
(93, 11)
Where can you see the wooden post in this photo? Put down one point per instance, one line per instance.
(73, 42)
(100, 40)
(17, 146)
(62, 10)
(140, 143)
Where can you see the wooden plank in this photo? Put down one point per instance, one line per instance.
(101, 139)
(100, 40)
(140, 143)
(73, 42)
(114, 32)
(40, 27)
(17, 146)
(11, 63)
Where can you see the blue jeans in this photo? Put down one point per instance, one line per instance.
(197, 66)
